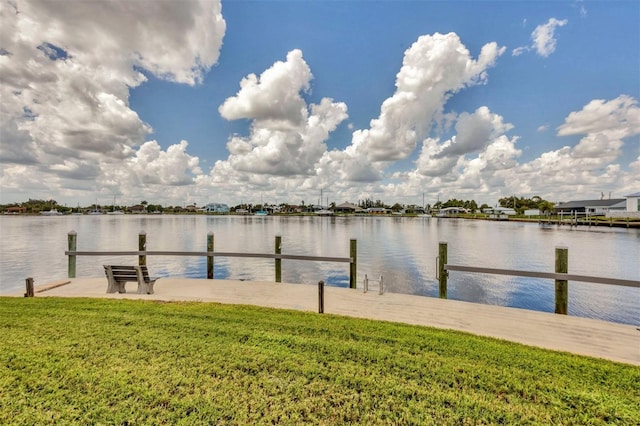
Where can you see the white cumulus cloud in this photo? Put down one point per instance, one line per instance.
(67, 68)
(273, 100)
(543, 36)
(287, 136)
(434, 67)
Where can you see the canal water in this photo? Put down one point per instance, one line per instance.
(401, 249)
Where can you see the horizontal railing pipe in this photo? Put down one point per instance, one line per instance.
(549, 275)
(207, 253)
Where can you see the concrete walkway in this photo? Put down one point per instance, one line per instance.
(612, 341)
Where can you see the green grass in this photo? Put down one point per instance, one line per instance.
(84, 361)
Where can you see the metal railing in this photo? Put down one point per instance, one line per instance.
(210, 254)
(561, 276)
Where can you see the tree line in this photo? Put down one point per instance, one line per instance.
(519, 204)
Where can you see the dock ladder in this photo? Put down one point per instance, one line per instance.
(380, 284)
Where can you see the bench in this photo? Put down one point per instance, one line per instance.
(118, 275)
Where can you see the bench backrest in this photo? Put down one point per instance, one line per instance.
(127, 273)
(145, 273)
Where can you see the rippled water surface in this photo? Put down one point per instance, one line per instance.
(402, 250)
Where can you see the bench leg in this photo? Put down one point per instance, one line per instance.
(116, 287)
(146, 287)
(150, 286)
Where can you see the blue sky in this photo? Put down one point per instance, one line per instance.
(549, 109)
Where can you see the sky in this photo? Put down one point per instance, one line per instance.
(180, 102)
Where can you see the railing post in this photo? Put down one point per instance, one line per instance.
(71, 240)
(320, 297)
(278, 250)
(142, 246)
(29, 283)
(442, 273)
(562, 286)
(353, 266)
(210, 256)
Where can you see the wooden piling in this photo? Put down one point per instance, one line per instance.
(210, 256)
(353, 265)
(71, 243)
(562, 286)
(142, 246)
(278, 250)
(442, 273)
(29, 283)
(321, 297)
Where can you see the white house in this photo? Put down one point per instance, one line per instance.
(591, 207)
(633, 202)
(451, 211)
(630, 208)
(500, 211)
(216, 208)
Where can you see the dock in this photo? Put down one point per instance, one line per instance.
(583, 336)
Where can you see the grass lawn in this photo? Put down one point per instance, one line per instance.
(86, 361)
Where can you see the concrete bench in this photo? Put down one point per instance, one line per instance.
(118, 275)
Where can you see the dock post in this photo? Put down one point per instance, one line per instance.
(210, 256)
(142, 246)
(353, 266)
(562, 287)
(320, 297)
(278, 250)
(442, 273)
(29, 283)
(71, 241)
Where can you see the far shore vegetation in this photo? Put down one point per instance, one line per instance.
(514, 208)
(519, 204)
(90, 361)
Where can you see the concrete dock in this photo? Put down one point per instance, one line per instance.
(595, 338)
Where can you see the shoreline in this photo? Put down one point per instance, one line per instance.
(618, 223)
(582, 336)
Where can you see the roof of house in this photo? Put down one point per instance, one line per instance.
(637, 194)
(591, 203)
(453, 209)
(346, 206)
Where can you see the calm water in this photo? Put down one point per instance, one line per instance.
(403, 250)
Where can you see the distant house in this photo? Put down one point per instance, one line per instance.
(451, 211)
(16, 210)
(633, 202)
(631, 208)
(499, 212)
(138, 209)
(377, 210)
(346, 208)
(291, 209)
(505, 210)
(216, 208)
(591, 207)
